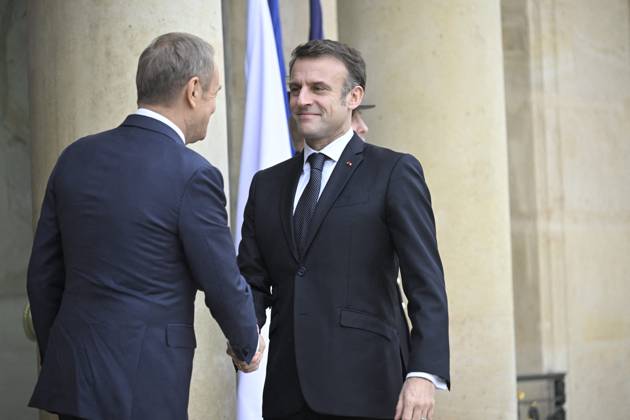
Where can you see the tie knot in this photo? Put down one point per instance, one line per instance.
(316, 161)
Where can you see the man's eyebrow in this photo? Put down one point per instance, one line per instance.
(309, 83)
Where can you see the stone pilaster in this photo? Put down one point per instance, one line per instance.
(435, 72)
(568, 97)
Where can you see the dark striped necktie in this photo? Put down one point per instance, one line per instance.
(308, 201)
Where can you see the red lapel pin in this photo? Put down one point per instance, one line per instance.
(349, 163)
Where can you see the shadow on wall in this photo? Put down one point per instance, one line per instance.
(17, 353)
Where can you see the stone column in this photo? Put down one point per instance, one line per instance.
(568, 97)
(536, 188)
(83, 58)
(435, 72)
(16, 356)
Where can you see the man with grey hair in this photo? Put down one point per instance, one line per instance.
(133, 223)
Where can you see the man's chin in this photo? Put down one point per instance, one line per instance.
(308, 130)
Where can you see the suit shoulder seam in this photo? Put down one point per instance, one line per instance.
(394, 166)
(186, 185)
(389, 182)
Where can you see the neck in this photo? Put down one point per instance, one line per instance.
(321, 142)
(172, 114)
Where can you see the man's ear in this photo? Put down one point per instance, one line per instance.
(192, 91)
(355, 97)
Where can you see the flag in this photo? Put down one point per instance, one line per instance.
(316, 31)
(274, 10)
(265, 143)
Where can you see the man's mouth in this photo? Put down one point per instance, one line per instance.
(307, 114)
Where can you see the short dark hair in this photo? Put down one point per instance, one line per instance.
(169, 62)
(350, 57)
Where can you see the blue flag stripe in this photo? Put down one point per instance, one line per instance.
(317, 30)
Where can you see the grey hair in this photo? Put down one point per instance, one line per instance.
(168, 63)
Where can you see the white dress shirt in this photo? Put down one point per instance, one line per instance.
(156, 116)
(333, 152)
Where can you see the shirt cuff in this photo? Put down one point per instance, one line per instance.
(436, 380)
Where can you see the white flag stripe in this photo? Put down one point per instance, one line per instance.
(265, 143)
(266, 132)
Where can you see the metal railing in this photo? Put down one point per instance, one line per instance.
(541, 396)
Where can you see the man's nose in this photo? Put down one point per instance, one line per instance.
(304, 97)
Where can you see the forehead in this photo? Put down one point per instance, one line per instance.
(324, 68)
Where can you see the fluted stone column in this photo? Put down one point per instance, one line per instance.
(83, 58)
(435, 72)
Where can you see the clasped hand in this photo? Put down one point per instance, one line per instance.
(254, 363)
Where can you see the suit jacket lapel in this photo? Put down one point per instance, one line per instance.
(349, 161)
(286, 206)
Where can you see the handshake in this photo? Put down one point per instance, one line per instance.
(254, 363)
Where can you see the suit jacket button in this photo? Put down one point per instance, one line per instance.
(301, 271)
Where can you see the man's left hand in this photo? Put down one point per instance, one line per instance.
(416, 400)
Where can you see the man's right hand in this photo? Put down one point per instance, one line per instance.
(254, 363)
(416, 400)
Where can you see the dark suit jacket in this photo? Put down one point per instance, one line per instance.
(338, 339)
(132, 224)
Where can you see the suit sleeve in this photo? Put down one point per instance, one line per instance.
(210, 254)
(46, 271)
(412, 228)
(250, 259)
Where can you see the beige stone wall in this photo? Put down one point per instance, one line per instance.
(591, 104)
(83, 58)
(528, 228)
(15, 176)
(435, 72)
(17, 361)
(569, 167)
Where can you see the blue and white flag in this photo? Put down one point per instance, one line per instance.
(265, 142)
(274, 10)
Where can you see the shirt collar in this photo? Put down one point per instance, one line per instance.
(334, 150)
(152, 114)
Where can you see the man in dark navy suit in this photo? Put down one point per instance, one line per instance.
(133, 223)
(324, 236)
